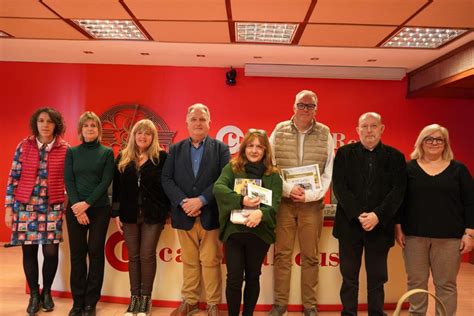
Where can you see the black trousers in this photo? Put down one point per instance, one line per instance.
(84, 241)
(244, 254)
(375, 255)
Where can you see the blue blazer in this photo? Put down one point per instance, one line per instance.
(179, 182)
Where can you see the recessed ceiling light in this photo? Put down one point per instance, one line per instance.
(314, 58)
(371, 60)
(281, 33)
(145, 54)
(111, 29)
(200, 55)
(88, 52)
(257, 57)
(423, 37)
(3, 34)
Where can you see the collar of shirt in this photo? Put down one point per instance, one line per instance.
(48, 146)
(374, 150)
(313, 123)
(200, 143)
(196, 155)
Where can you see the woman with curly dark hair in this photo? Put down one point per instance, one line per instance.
(34, 203)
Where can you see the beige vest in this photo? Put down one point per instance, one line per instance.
(315, 147)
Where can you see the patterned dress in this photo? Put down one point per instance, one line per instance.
(35, 222)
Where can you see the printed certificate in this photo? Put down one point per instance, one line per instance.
(264, 194)
(298, 175)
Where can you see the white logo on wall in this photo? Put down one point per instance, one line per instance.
(231, 135)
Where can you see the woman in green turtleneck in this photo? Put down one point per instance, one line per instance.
(89, 170)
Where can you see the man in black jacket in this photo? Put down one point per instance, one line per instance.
(189, 173)
(369, 181)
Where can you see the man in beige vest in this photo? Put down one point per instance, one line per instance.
(300, 141)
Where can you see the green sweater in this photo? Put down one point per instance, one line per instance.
(228, 200)
(88, 172)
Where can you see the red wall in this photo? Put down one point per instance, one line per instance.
(254, 102)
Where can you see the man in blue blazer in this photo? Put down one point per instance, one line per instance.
(189, 173)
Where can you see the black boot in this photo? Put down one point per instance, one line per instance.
(46, 300)
(75, 311)
(89, 310)
(34, 303)
(132, 309)
(145, 306)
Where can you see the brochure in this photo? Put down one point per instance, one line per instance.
(264, 194)
(298, 175)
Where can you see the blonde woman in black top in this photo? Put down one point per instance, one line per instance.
(140, 208)
(436, 222)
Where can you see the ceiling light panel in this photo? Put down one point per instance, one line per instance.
(111, 29)
(422, 37)
(281, 33)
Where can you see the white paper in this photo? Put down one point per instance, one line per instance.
(264, 194)
(306, 182)
(240, 216)
(291, 175)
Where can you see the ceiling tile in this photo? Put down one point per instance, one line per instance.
(188, 32)
(386, 12)
(24, 9)
(202, 10)
(446, 13)
(269, 10)
(88, 9)
(344, 35)
(39, 28)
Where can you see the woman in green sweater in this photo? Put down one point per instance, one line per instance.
(89, 170)
(246, 242)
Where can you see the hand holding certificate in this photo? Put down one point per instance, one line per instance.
(248, 217)
(253, 194)
(240, 216)
(264, 194)
(307, 177)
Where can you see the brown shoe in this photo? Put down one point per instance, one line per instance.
(212, 310)
(185, 309)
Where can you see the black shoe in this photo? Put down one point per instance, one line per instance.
(89, 310)
(46, 300)
(132, 309)
(145, 306)
(34, 303)
(75, 311)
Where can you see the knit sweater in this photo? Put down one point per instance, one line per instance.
(89, 170)
(228, 200)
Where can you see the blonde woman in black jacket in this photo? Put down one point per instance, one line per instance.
(140, 208)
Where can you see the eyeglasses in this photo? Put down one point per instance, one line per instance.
(257, 131)
(433, 140)
(309, 106)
